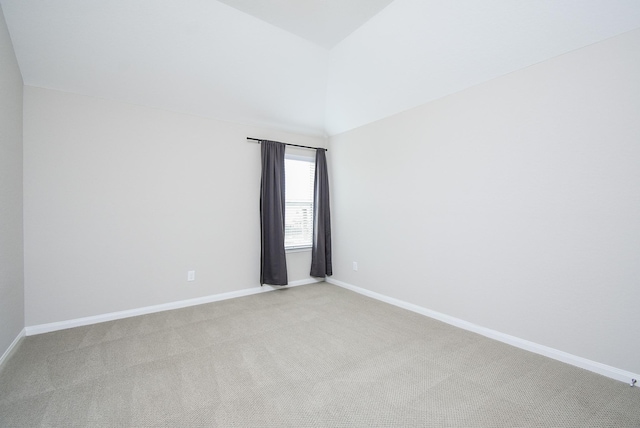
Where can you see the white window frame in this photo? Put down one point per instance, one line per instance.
(305, 247)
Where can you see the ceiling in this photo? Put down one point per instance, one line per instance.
(324, 22)
(315, 67)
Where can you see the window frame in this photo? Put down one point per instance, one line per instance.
(303, 158)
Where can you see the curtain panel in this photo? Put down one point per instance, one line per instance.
(273, 261)
(321, 264)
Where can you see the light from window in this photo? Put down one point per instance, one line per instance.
(298, 215)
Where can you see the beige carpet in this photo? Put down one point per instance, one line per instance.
(309, 356)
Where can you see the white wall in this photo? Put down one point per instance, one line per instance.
(120, 201)
(513, 205)
(11, 263)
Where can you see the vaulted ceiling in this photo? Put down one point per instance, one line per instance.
(316, 67)
(324, 22)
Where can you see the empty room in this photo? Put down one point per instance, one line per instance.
(319, 213)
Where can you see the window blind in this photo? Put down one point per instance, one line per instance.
(298, 217)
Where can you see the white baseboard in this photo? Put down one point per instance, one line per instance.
(78, 322)
(593, 366)
(12, 347)
(603, 369)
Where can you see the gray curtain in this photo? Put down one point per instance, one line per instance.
(273, 261)
(321, 251)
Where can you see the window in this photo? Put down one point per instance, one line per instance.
(298, 215)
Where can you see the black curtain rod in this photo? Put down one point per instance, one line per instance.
(289, 144)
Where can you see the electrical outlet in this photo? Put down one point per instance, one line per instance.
(355, 266)
(191, 275)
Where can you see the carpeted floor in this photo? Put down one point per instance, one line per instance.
(308, 356)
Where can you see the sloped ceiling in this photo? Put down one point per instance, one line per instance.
(324, 22)
(415, 51)
(207, 58)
